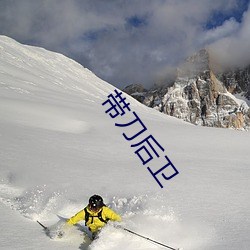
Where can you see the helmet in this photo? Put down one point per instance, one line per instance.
(95, 202)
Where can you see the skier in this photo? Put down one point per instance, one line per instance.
(95, 214)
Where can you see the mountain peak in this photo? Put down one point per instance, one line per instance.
(200, 96)
(197, 64)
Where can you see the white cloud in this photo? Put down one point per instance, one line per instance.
(97, 32)
(228, 28)
(233, 49)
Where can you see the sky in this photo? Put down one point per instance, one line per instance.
(132, 41)
(59, 147)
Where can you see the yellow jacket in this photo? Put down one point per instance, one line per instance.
(94, 223)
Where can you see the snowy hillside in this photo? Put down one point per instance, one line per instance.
(58, 147)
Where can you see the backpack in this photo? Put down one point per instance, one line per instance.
(88, 216)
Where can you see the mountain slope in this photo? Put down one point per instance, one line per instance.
(58, 147)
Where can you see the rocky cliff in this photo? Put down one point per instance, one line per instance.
(200, 96)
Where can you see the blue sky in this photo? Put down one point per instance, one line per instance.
(218, 17)
(131, 41)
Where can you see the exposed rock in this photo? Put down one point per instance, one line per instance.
(134, 88)
(237, 81)
(201, 97)
(137, 91)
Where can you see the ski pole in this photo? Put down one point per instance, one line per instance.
(45, 228)
(149, 239)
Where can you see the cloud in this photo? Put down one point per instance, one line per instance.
(121, 41)
(233, 49)
(228, 28)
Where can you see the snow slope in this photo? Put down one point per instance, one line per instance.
(58, 147)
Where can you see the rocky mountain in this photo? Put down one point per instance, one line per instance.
(237, 81)
(201, 96)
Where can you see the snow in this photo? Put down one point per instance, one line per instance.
(58, 147)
